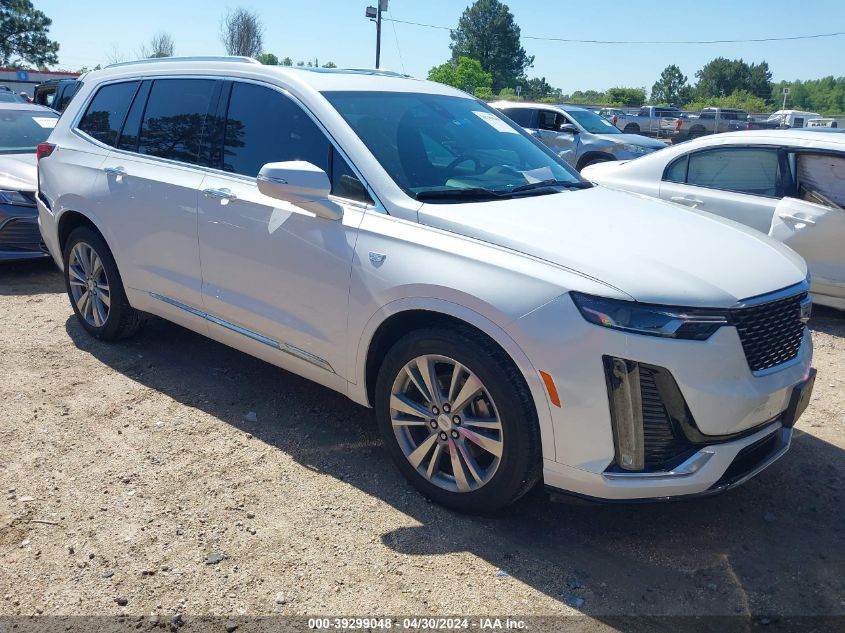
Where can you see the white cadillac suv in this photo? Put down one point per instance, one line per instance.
(403, 243)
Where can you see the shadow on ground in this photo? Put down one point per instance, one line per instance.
(774, 546)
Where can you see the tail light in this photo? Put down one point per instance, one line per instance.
(43, 150)
(615, 119)
(678, 125)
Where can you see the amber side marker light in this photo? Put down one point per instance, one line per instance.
(550, 387)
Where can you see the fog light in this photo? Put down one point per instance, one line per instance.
(626, 411)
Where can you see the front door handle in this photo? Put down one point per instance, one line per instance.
(796, 219)
(222, 194)
(115, 171)
(690, 202)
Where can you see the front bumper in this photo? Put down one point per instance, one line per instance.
(19, 234)
(732, 407)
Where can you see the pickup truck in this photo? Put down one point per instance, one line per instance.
(709, 121)
(648, 120)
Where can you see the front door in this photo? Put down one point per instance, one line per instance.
(564, 144)
(273, 272)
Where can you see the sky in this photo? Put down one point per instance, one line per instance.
(89, 31)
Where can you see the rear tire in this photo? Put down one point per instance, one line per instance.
(95, 288)
(465, 432)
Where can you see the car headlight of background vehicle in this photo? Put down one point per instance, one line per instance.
(654, 320)
(635, 149)
(15, 197)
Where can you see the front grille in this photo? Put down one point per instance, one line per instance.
(20, 235)
(664, 443)
(771, 332)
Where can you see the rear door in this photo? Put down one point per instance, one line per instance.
(743, 184)
(150, 185)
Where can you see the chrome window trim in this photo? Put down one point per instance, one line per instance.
(377, 205)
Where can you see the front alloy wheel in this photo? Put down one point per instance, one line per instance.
(446, 423)
(89, 284)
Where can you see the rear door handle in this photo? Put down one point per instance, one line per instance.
(686, 200)
(115, 171)
(222, 194)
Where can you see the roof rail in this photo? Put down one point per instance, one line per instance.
(200, 58)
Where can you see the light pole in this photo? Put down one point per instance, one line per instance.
(374, 14)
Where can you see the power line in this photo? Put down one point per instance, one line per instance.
(574, 41)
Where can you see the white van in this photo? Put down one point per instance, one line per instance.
(792, 118)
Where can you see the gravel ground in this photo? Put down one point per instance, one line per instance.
(170, 474)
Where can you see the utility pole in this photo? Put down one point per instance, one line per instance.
(374, 14)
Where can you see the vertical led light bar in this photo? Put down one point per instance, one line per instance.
(626, 411)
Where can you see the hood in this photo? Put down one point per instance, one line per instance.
(653, 251)
(18, 172)
(634, 139)
(596, 171)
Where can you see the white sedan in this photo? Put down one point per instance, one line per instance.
(789, 184)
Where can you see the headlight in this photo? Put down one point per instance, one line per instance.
(16, 198)
(654, 320)
(636, 149)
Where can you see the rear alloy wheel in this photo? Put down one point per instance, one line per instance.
(458, 420)
(95, 288)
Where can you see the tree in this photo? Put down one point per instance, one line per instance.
(487, 32)
(538, 88)
(629, 97)
(741, 99)
(672, 87)
(722, 77)
(287, 61)
(268, 59)
(242, 33)
(329, 65)
(467, 74)
(825, 96)
(160, 46)
(23, 35)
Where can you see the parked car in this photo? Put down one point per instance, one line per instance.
(789, 184)
(709, 121)
(579, 136)
(56, 93)
(10, 97)
(22, 127)
(791, 118)
(405, 244)
(614, 115)
(649, 120)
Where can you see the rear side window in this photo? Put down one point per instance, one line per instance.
(174, 118)
(107, 110)
(677, 171)
(520, 116)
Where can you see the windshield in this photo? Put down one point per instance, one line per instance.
(10, 97)
(592, 122)
(22, 130)
(433, 146)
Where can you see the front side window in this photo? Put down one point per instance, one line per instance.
(549, 120)
(264, 126)
(433, 145)
(520, 116)
(751, 171)
(174, 119)
(107, 110)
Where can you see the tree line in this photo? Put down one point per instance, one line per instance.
(487, 59)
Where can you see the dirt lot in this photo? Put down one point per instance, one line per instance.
(134, 480)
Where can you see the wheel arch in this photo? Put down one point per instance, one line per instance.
(404, 316)
(70, 220)
(586, 158)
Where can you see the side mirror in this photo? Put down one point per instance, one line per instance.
(302, 184)
(568, 128)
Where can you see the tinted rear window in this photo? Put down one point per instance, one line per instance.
(174, 118)
(520, 116)
(107, 110)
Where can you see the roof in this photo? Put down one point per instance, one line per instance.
(534, 106)
(771, 137)
(320, 79)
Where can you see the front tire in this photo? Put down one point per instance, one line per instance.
(95, 288)
(458, 420)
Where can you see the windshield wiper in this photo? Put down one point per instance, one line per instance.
(473, 193)
(553, 182)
